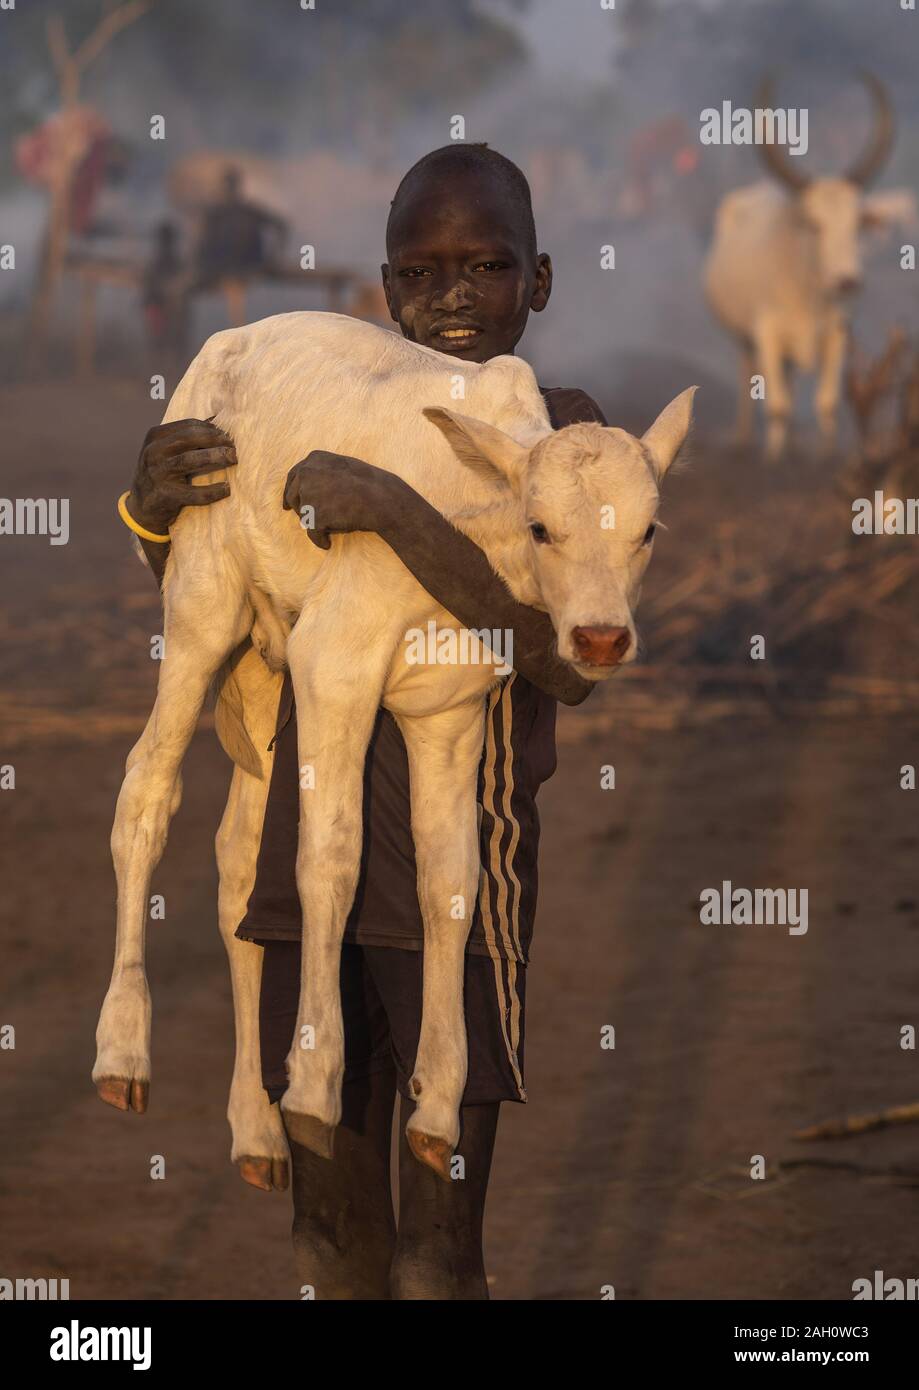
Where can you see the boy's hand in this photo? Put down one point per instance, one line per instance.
(346, 494)
(170, 456)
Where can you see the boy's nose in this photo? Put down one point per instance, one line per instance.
(457, 296)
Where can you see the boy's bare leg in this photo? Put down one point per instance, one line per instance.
(439, 1245)
(344, 1229)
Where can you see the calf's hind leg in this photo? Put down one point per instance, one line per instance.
(197, 639)
(259, 1145)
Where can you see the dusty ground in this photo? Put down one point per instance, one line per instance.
(628, 1167)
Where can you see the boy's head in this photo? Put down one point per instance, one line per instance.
(462, 270)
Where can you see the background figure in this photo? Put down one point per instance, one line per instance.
(164, 293)
(238, 239)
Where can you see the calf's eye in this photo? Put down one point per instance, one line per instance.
(649, 534)
(539, 533)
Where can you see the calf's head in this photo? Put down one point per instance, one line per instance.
(583, 514)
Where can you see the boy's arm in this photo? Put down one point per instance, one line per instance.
(170, 456)
(350, 495)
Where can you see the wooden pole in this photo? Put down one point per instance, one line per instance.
(86, 339)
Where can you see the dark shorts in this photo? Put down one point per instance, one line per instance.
(381, 1005)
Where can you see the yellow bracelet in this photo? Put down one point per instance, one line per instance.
(138, 530)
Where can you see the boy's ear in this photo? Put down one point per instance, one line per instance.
(667, 435)
(488, 451)
(543, 287)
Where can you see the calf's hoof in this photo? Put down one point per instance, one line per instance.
(267, 1174)
(125, 1093)
(314, 1134)
(431, 1150)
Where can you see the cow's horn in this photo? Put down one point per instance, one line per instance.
(774, 157)
(877, 153)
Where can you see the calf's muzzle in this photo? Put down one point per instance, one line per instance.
(600, 646)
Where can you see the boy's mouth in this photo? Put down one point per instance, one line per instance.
(450, 336)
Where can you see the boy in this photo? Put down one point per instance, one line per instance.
(461, 276)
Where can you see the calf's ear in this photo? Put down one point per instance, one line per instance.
(667, 435)
(488, 451)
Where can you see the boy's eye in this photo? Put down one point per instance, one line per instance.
(539, 533)
(413, 271)
(491, 265)
(649, 534)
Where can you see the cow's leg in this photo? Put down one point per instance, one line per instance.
(198, 636)
(745, 370)
(829, 380)
(337, 688)
(444, 752)
(259, 1144)
(771, 362)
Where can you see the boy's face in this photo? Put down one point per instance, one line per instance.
(461, 277)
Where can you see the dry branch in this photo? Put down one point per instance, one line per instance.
(860, 1124)
(110, 25)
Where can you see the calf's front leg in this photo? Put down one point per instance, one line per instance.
(337, 692)
(444, 751)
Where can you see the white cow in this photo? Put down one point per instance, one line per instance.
(783, 265)
(339, 618)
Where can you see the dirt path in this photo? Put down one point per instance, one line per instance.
(635, 1163)
(628, 1167)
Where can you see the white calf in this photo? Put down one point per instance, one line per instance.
(566, 519)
